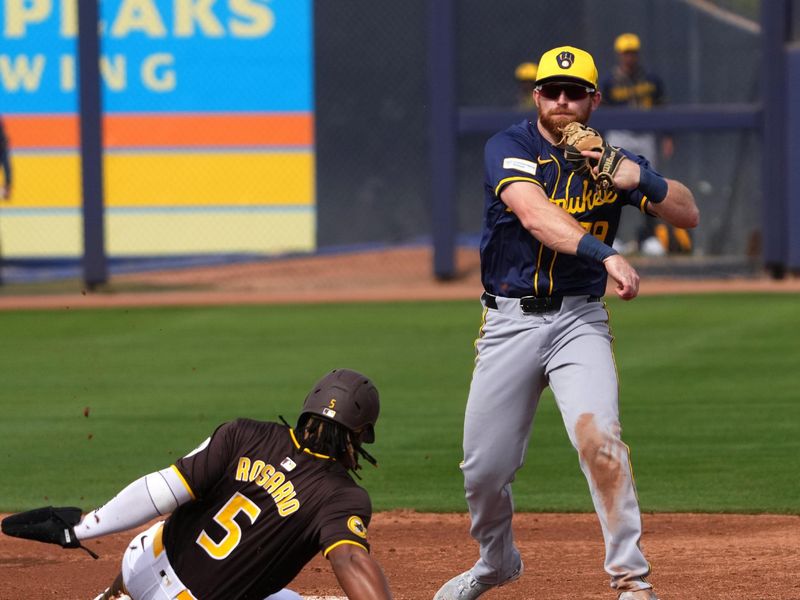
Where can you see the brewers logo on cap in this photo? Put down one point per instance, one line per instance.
(567, 63)
(565, 60)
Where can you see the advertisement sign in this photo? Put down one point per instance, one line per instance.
(207, 128)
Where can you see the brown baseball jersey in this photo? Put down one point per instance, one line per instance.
(261, 510)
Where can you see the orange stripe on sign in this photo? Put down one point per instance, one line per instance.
(42, 131)
(166, 131)
(276, 129)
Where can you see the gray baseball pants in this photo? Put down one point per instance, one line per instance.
(517, 355)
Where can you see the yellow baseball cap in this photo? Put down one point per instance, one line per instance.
(627, 42)
(526, 71)
(567, 63)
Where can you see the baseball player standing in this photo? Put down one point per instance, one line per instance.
(525, 74)
(248, 508)
(545, 258)
(629, 84)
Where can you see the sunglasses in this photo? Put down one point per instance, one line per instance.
(552, 91)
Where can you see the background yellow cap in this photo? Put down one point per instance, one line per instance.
(526, 71)
(567, 63)
(627, 42)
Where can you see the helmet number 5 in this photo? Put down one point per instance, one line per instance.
(233, 533)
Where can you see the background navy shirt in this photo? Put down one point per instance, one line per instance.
(513, 262)
(639, 89)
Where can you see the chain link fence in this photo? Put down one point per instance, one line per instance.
(357, 177)
(373, 179)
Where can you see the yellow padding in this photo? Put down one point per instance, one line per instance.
(46, 180)
(169, 179)
(203, 179)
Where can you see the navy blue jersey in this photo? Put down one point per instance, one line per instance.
(513, 262)
(639, 90)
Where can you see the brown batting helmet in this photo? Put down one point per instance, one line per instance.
(347, 397)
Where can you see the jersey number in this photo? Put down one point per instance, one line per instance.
(233, 533)
(599, 229)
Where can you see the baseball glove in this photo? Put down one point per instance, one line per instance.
(578, 137)
(50, 525)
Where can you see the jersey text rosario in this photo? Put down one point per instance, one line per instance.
(262, 508)
(275, 482)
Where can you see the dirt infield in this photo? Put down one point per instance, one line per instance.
(694, 557)
(395, 274)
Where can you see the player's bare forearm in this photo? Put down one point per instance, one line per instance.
(678, 207)
(624, 275)
(359, 575)
(545, 221)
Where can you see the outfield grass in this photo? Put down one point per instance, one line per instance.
(709, 397)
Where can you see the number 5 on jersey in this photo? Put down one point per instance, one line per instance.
(225, 518)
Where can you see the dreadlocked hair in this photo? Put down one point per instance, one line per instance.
(332, 439)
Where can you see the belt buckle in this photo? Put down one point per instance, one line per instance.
(535, 304)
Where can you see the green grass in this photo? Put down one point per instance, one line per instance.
(709, 397)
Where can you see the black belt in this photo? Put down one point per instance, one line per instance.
(534, 304)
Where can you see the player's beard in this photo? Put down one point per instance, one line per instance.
(555, 120)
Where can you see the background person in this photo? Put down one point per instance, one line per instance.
(630, 84)
(5, 190)
(525, 76)
(545, 258)
(5, 160)
(248, 508)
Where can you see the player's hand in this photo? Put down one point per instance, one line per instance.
(626, 177)
(5, 192)
(624, 275)
(52, 525)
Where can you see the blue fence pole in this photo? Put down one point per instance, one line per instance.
(774, 227)
(793, 158)
(443, 124)
(95, 269)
